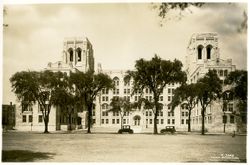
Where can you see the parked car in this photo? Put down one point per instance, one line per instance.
(126, 128)
(170, 129)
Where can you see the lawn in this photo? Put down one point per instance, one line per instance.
(81, 147)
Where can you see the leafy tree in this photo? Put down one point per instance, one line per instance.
(209, 89)
(238, 81)
(121, 106)
(86, 88)
(31, 87)
(155, 74)
(185, 95)
(64, 98)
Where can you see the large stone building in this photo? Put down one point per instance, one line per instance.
(202, 55)
(77, 55)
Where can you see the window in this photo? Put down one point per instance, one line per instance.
(24, 118)
(169, 98)
(93, 113)
(186, 121)
(102, 121)
(150, 121)
(161, 98)
(209, 51)
(146, 113)
(125, 91)
(146, 90)
(186, 113)
(128, 91)
(93, 121)
(168, 121)
(169, 113)
(162, 121)
(128, 98)
(113, 121)
(172, 90)
(230, 107)
(231, 119)
(161, 113)
(157, 121)
(40, 118)
(117, 121)
(135, 98)
(169, 107)
(182, 121)
(117, 91)
(173, 121)
(225, 72)
(150, 113)
(146, 97)
(169, 90)
(200, 52)
(173, 113)
(30, 118)
(124, 121)
(182, 113)
(103, 98)
(150, 98)
(107, 121)
(107, 98)
(221, 72)
(113, 113)
(79, 54)
(71, 55)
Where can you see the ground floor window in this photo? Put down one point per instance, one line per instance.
(102, 121)
(117, 121)
(40, 118)
(124, 121)
(93, 121)
(24, 118)
(107, 121)
(30, 118)
(182, 121)
(168, 121)
(231, 119)
(113, 121)
(162, 121)
(186, 121)
(173, 121)
(150, 121)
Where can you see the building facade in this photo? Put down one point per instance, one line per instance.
(202, 54)
(77, 55)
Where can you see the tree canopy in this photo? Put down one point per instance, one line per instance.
(86, 88)
(155, 74)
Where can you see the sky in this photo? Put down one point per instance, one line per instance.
(120, 33)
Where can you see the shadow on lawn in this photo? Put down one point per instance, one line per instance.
(24, 156)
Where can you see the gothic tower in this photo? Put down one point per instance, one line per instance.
(78, 53)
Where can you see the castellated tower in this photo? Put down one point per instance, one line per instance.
(78, 53)
(203, 53)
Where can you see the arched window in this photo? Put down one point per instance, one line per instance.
(209, 48)
(200, 47)
(137, 119)
(116, 81)
(71, 57)
(79, 54)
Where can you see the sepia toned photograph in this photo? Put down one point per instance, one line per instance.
(124, 82)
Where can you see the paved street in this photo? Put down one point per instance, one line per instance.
(81, 147)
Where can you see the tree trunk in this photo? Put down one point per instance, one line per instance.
(121, 121)
(70, 122)
(189, 121)
(46, 124)
(89, 117)
(203, 121)
(155, 122)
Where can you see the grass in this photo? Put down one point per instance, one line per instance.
(23, 156)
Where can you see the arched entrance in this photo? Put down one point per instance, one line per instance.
(137, 120)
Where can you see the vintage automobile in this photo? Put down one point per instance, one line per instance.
(170, 129)
(126, 128)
